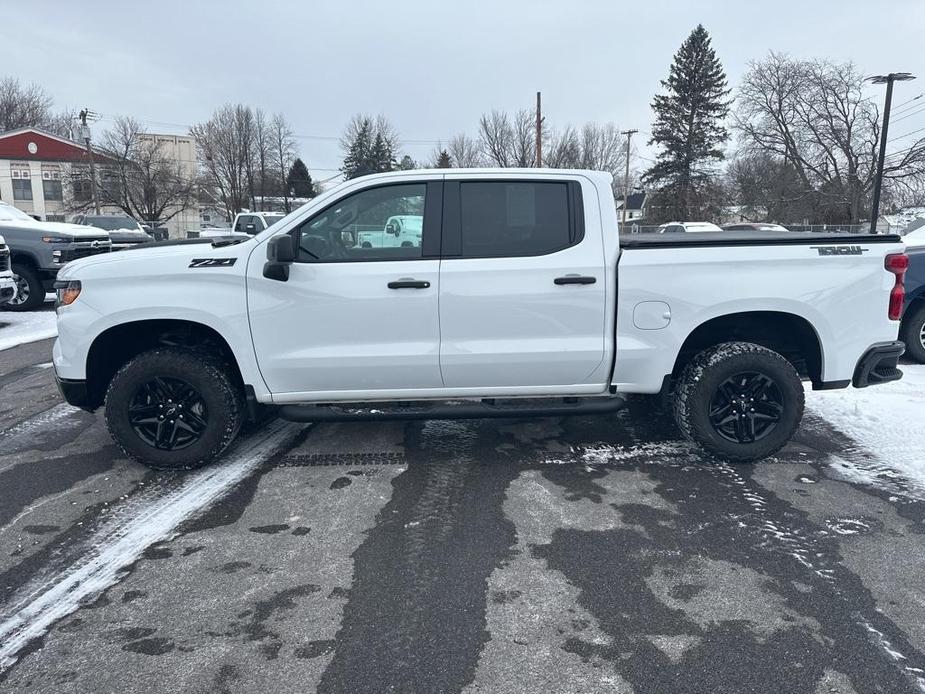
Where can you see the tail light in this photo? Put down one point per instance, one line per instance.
(897, 263)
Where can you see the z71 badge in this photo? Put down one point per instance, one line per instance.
(212, 262)
(840, 250)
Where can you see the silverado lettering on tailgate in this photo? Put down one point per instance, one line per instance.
(840, 250)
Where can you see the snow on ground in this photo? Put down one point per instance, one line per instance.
(20, 328)
(888, 420)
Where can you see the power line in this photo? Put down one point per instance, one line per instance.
(908, 101)
(909, 114)
(333, 138)
(899, 137)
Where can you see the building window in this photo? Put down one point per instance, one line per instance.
(22, 189)
(52, 190)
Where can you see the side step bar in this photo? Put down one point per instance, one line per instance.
(367, 412)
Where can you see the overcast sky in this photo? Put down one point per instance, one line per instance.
(431, 66)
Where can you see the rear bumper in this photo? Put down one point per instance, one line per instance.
(879, 364)
(75, 392)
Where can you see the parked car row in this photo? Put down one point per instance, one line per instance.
(679, 227)
(35, 251)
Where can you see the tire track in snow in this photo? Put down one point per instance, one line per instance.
(152, 516)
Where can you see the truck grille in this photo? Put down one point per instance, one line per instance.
(4, 258)
(83, 249)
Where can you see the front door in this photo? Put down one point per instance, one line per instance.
(354, 320)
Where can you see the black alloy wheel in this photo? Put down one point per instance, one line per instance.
(168, 413)
(746, 407)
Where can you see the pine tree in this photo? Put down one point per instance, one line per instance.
(689, 129)
(381, 155)
(407, 163)
(443, 160)
(299, 181)
(358, 159)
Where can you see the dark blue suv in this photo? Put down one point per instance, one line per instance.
(912, 331)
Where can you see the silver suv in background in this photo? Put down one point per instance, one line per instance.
(39, 249)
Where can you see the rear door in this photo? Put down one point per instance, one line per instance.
(352, 322)
(522, 287)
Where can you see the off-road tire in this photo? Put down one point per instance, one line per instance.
(913, 332)
(36, 291)
(702, 378)
(221, 395)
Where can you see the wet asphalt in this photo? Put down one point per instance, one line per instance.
(596, 554)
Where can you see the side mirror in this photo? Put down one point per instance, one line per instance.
(280, 255)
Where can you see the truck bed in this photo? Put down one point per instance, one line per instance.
(750, 238)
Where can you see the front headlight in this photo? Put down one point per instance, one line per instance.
(56, 239)
(67, 292)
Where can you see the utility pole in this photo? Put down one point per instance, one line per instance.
(878, 181)
(626, 181)
(539, 132)
(85, 134)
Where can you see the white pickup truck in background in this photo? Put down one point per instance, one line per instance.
(520, 300)
(245, 224)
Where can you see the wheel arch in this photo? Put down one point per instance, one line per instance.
(24, 258)
(789, 334)
(116, 345)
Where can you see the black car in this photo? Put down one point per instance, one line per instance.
(124, 232)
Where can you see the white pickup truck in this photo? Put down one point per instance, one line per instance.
(521, 300)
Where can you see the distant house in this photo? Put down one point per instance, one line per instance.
(635, 207)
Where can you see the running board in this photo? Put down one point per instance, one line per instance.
(486, 409)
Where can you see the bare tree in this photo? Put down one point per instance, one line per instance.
(508, 141)
(282, 153)
(465, 151)
(144, 181)
(224, 144)
(596, 146)
(814, 116)
(496, 138)
(22, 105)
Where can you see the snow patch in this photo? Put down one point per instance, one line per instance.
(887, 421)
(152, 517)
(30, 326)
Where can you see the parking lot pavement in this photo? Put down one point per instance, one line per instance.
(551, 555)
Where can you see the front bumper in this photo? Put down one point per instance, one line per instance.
(879, 364)
(7, 289)
(75, 392)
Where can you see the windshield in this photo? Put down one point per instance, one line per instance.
(111, 223)
(8, 213)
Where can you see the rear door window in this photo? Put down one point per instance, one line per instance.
(514, 218)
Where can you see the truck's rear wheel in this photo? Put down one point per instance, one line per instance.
(30, 294)
(171, 409)
(913, 333)
(739, 401)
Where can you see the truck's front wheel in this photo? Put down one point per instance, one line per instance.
(171, 409)
(739, 401)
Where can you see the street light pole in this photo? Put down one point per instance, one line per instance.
(878, 181)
